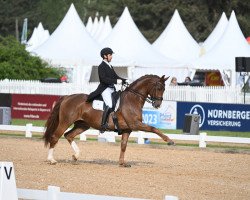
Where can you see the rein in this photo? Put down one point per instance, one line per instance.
(149, 99)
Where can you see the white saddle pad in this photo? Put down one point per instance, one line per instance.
(98, 105)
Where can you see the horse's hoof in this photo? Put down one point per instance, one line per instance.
(74, 158)
(52, 162)
(171, 143)
(125, 165)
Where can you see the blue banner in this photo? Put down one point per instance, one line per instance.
(215, 116)
(164, 117)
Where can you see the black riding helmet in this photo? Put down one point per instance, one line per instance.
(106, 51)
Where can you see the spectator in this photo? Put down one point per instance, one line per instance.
(187, 79)
(173, 82)
(64, 79)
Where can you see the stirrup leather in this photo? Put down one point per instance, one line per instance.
(117, 128)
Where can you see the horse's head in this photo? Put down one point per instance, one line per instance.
(150, 88)
(156, 91)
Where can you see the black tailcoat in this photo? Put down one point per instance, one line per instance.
(107, 77)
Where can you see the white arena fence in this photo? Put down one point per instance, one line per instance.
(53, 193)
(202, 139)
(174, 93)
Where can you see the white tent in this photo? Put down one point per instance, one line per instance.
(222, 56)
(33, 38)
(38, 37)
(89, 24)
(176, 42)
(99, 28)
(126, 39)
(216, 34)
(70, 46)
(95, 26)
(106, 30)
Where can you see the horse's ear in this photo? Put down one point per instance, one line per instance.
(166, 78)
(163, 78)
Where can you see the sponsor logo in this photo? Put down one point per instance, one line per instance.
(198, 110)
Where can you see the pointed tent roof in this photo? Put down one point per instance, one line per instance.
(126, 39)
(106, 30)
(70, 43)
(95, 26)
(99, 28)
(38, 37)
(216, 34)
(33, 38)
(222, 56)
(176, 42)
(40, 27)
(89, 24)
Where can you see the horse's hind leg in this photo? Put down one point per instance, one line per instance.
(54, 139)
(79, 127)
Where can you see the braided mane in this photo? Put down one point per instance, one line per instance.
(143, 77)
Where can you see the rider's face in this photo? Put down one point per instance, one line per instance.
(108, 57)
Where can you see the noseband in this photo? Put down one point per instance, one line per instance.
(149, 99)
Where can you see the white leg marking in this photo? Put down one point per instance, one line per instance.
(50, 156)
(76, 149)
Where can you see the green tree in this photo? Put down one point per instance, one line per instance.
(17, 63)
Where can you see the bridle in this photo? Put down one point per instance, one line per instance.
(149, 99)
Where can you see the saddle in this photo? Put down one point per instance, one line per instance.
(98, 103)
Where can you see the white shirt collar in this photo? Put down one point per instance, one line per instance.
(107, 63)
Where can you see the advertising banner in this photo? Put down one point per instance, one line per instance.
(35, 107)
(213, 79)
(215, 116)
(163, 118)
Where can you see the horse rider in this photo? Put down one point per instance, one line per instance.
(108, 78)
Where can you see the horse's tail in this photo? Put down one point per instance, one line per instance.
(52, 122)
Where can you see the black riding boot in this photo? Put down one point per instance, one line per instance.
(104, 124)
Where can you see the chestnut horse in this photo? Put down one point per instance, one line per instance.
(73, 109)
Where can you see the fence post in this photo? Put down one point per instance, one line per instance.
(53, 193)
(140, 139)
(110, 137)
(28, 130)
(83, 137)
(202, 140)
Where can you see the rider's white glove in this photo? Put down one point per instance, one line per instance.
(119, 81)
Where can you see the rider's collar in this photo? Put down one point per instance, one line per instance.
(107, 63)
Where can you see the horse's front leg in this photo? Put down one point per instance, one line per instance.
(124, 142)
(144, 127)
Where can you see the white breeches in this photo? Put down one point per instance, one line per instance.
(106, 95)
